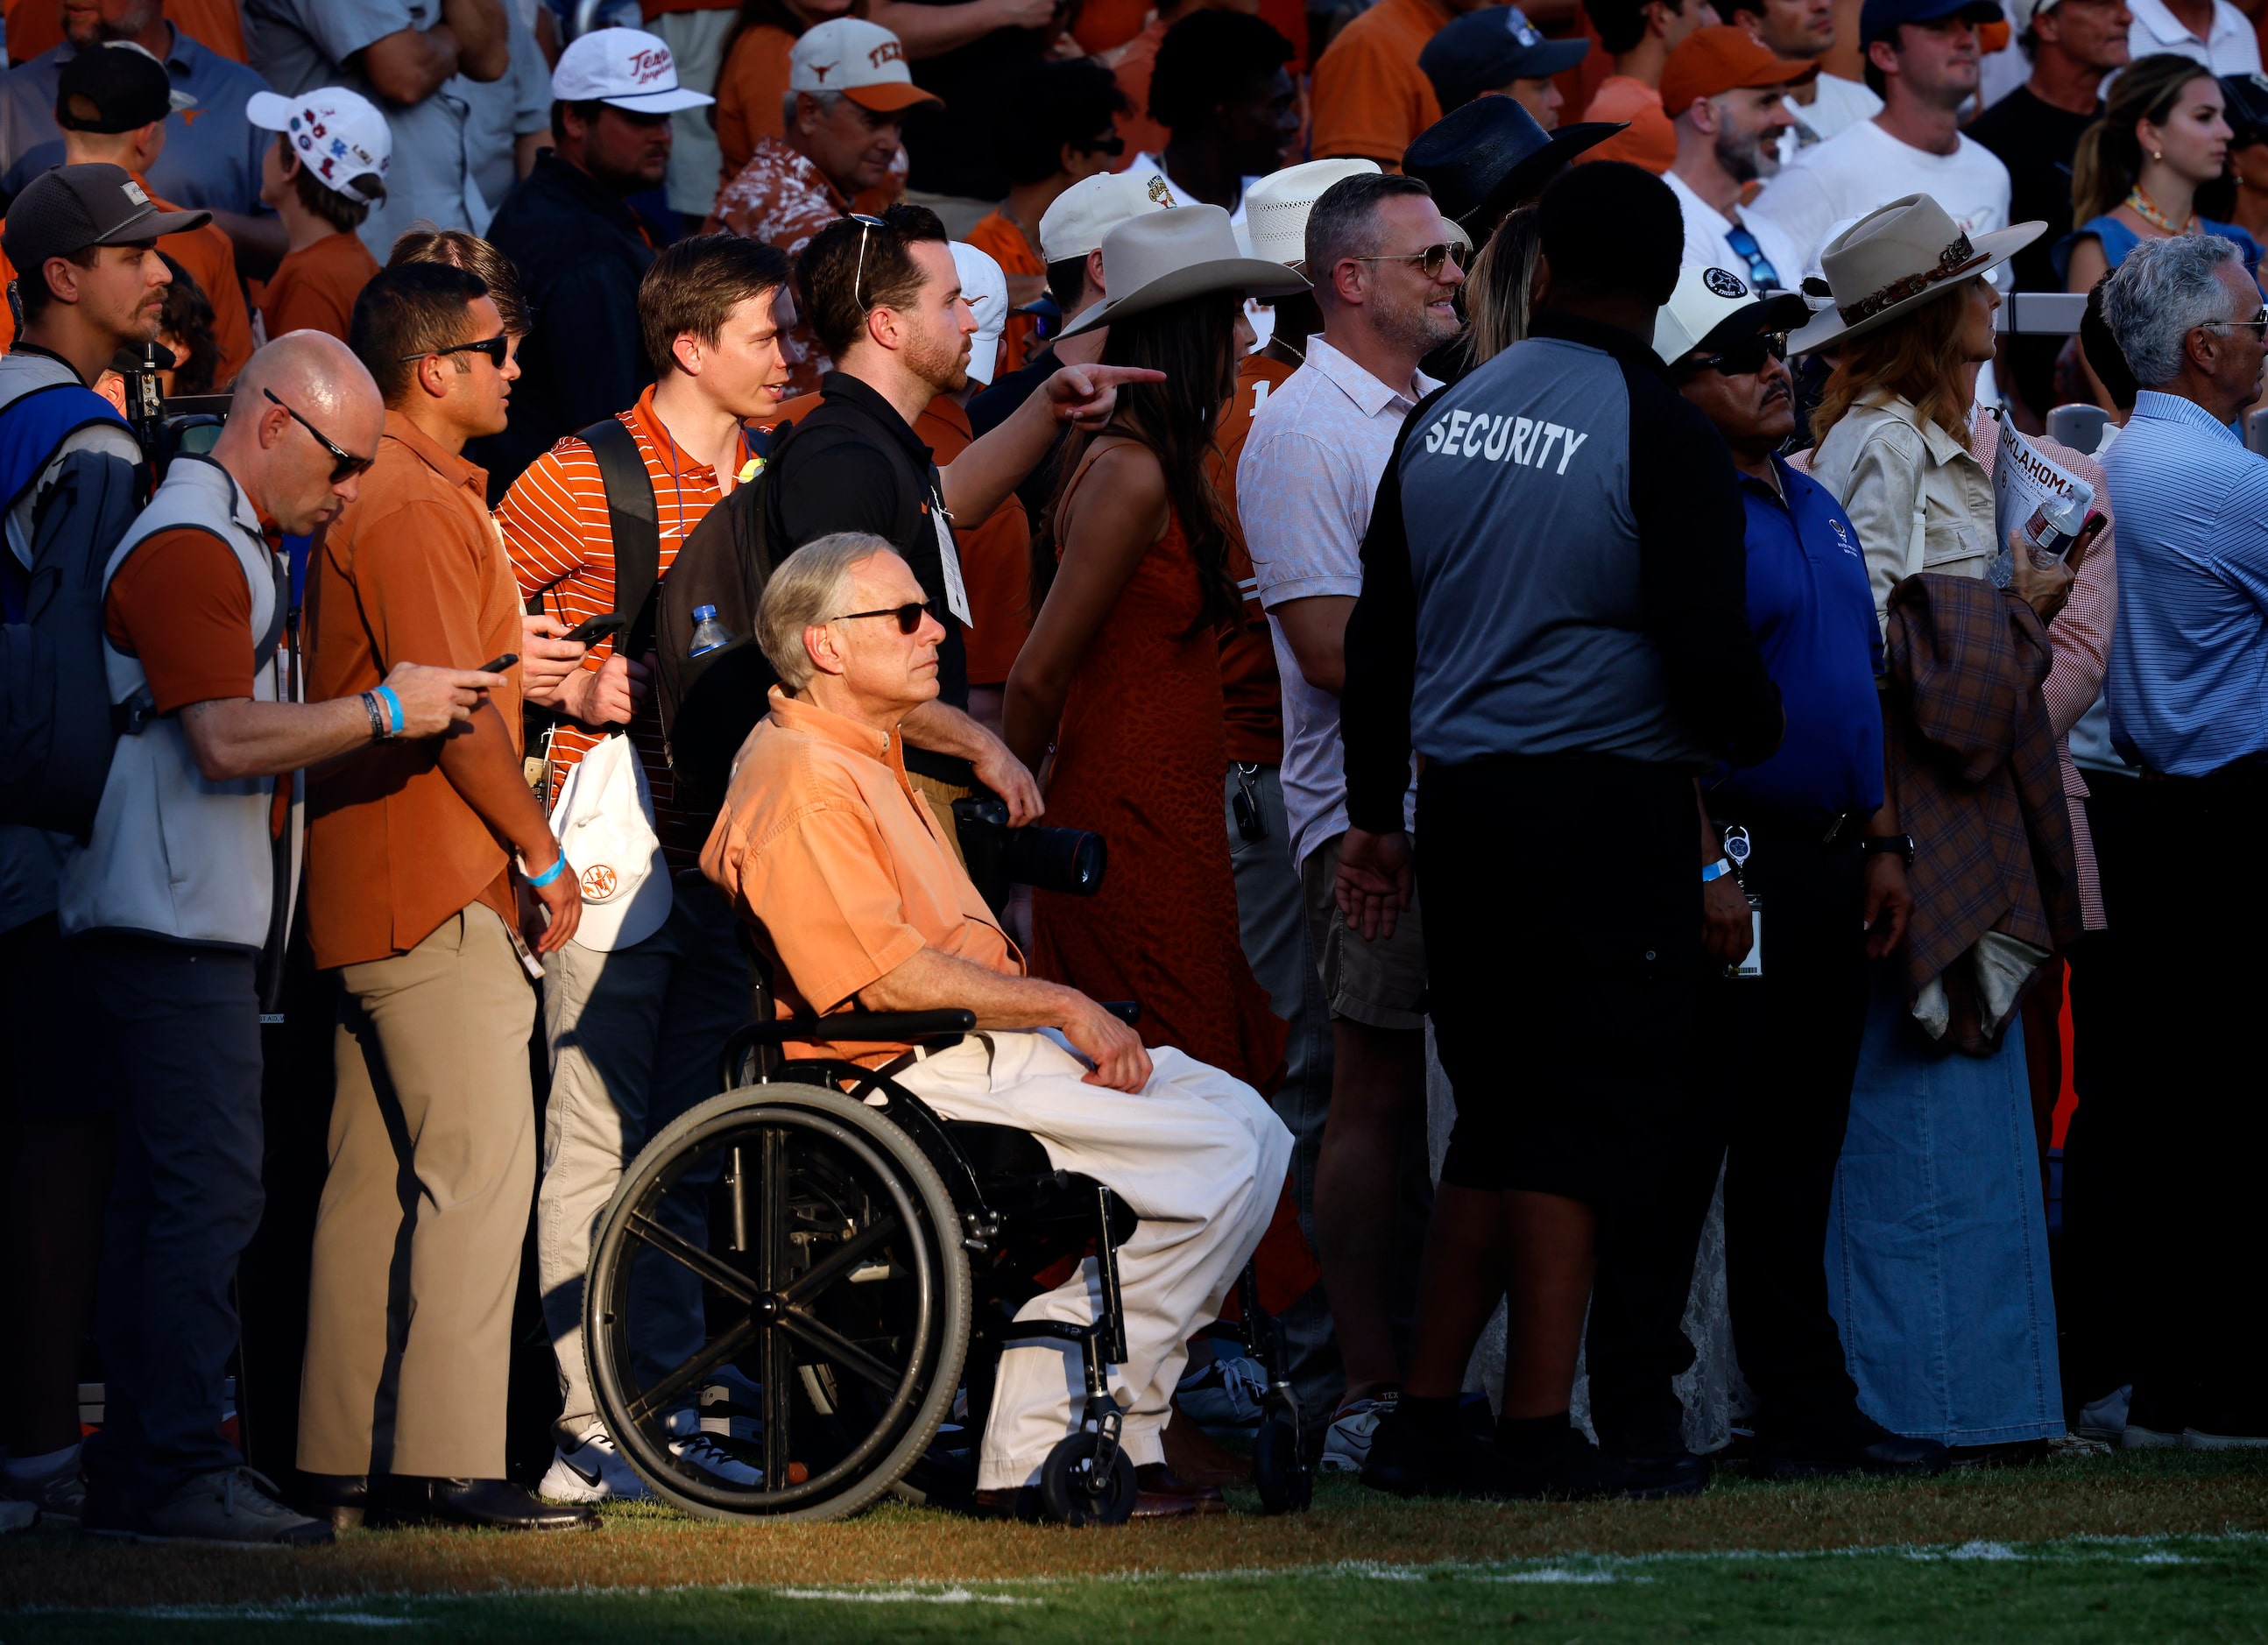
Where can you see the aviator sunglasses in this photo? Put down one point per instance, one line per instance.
(1432, 260)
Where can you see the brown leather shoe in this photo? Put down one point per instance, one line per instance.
(1199, 1457)
(1161, 1493)
(1016, 1502)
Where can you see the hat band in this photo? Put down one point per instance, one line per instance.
(1953, 261)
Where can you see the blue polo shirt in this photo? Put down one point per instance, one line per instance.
(212, 152)
(1813, 614)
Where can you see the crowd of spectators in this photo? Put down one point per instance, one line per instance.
(1175, 423)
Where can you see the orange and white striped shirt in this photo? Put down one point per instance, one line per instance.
(555, 529)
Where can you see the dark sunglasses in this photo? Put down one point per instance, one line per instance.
(345, 465)
(1743, 360)
(858, 279)
(496, 348)
(1432, 260)
(910, 616)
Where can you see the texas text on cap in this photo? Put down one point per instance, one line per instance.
(863, 61)
(114, 88)
(1710, 61)
(1879, 17)
(1093, 206)
(626, 66)
(1487, 50)
(338, 134)
(67, 208)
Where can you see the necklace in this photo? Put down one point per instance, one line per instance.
(2145, 209)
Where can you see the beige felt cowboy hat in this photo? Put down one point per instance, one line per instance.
(1896, 258)
(1164, 257)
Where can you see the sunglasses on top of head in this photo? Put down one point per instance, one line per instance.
(909, 615)
(344, 465)
(1743, 359)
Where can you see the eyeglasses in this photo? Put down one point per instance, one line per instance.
(496, 348)
(909, 615)
(2258, 322)
(858, 279)
(345, 465)
(1432, 260)
(1744, 359)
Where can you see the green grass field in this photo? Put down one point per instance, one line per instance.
(2169, 1545)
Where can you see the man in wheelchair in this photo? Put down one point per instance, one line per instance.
(825, 847)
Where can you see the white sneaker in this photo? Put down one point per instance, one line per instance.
(704, 1456)
(2105, 1418)
(1224, 1392)
(591, 1470)
(1346, 1443)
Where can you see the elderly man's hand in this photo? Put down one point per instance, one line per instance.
(1120, 1063)
(1086, 395)
(1374, 880)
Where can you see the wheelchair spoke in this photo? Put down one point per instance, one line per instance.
(842, 1350)
(771, 1270)
(724, 1348)
(821, 1275)
(675, 1246)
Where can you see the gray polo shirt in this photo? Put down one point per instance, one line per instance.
(502, 112)
(302, 44)
(212, 152)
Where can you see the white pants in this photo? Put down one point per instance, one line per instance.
(1198, 1155)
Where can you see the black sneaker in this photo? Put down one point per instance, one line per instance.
(1574, 1469)
(1856, 1443)
(1657, 1457)
(1407, 1462)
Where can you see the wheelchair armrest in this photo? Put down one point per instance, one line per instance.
(858, 1028)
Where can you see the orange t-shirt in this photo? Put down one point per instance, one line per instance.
(413, 571)
(996, 556)
(1652, 139)
(1132, 65)
(1004, 243)
(1250, 688)
(37, 26)
(180, 604)
(751, 90)
(1103, 24)
(314, 288)
(1370, 99)
(825, 846)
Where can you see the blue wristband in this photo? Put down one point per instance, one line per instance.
(1717, 869)
(384, 694)
(537, 882)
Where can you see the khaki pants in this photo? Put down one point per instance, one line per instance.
(417, 1244)
(940, 796)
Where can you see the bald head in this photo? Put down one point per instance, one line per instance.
(296, 400)
(312, 371)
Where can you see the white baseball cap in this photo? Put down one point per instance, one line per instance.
(1708, 299)
(626, 66)
(986, 288)
(864, 61)
(1093, 206)
(1276, 208)
(338, 134)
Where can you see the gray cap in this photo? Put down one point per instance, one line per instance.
(67, 208)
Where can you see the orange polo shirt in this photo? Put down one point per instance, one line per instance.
(412, 572)
(1371, 100)
(1004, 242)
(824, 844)
(1652, 139)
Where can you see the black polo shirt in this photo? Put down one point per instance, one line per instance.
(855, 465)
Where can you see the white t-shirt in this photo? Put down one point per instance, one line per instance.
(1846, 177)
(2233, 49)
(1708, 246)
(1840, 104)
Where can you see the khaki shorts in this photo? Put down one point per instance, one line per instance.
(1380, 982)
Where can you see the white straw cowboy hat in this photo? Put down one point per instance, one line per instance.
(1163, 257)
(1276, 208)
(1896, 258)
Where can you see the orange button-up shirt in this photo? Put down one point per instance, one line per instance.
(412, 572)
(824, 844)
(1371, 100)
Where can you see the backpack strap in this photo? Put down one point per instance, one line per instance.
(634, 522)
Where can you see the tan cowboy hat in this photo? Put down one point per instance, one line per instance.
(1163, 257)
(1898, 257)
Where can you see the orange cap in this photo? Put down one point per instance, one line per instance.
(1724, 59)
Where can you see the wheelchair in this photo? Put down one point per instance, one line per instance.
(860, 1259)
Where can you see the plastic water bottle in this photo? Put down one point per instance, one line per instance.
(707, 633)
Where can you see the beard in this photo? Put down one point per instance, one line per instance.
(938, 362)
(1744, 157)
(1415, 325)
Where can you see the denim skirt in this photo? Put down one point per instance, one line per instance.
(1937, 1243)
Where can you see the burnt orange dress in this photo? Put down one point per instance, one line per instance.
(1139, 759)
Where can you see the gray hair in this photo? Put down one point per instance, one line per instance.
(808, 588)
(2165, 290)
(1344, 220)
(827, 100)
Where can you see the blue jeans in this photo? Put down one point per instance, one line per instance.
(180, 1026)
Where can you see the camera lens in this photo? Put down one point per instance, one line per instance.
(1069, 860)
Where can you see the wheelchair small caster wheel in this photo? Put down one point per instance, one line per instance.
(1279, 1471)
(1072, 1493)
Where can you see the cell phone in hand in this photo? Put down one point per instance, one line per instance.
(593, 631)
(498, 665)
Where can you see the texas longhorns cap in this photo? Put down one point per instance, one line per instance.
(864, 61)
(626, 66)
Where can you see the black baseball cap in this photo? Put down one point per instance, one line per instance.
(2246, 96)
(1488, 49)
(113, 88)
(67, 208)
(1878, 20)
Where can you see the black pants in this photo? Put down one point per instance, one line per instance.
(1769, 1098)
(2196, 972)
(181, 1031)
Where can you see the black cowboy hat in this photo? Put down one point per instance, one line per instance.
(1484, 158)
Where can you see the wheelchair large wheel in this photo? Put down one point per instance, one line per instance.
(833, 1305)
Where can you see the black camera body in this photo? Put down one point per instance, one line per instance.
(1068, 860)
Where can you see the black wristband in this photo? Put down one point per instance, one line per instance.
(378, 721)
(1873, 845)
